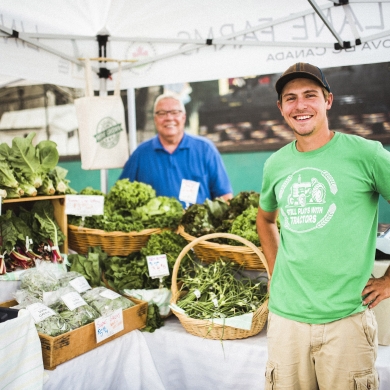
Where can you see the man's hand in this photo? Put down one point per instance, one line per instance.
(376, 290)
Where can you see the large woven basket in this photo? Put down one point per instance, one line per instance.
(113, 243)
(206, 328)
(211, 251)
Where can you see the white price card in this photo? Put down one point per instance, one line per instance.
(39, 311)
(109, 294)
(189, 191)
(73, 300)
(84, 205)
(107, 326)
(80, 284)
(158, 266)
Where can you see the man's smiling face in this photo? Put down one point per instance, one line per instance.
(170, 127)
(304, 106)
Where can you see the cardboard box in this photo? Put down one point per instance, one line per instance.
(59, 349)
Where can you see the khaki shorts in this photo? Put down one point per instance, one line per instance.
(339, 355)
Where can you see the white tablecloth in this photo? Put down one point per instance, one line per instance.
(172, 359)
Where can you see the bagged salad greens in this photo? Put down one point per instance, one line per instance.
(42, 278)
(68, 303)
(52, 324)
(105, 301)
(67, 277)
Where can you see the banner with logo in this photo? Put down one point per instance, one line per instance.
(102, 128)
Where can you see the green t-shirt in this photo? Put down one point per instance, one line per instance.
(328, 210)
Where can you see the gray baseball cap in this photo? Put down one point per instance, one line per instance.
(301, 70)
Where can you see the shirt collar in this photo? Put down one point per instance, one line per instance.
(184, 143)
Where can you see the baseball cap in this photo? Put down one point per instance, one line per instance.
(301, 70)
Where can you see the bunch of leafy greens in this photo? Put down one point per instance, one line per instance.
(89, 266)
(153, 319)
(132, 272)
(133, 206)
(7, 177)
(245, 226)
(201, 219)
(32, 162)
(170, 244)
(218, 216)
(60, 183)
(28, 170)
(44, 225)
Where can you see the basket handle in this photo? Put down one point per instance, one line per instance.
(205, 238)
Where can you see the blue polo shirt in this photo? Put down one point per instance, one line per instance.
(196, 158)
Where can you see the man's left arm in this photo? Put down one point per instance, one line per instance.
(377, 289)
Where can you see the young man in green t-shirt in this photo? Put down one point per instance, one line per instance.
(322, 333)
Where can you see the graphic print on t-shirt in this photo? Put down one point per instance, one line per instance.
(306, 200)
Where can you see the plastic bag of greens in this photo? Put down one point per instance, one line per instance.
(39, 280)
(69, 304)
(105, 301)
(46, 320)
(68, 277)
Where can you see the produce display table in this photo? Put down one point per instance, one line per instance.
(170, 358)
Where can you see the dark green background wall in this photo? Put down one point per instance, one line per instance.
(245, 171)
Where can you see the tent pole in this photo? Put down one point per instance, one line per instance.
(131, 116)
(103, 172)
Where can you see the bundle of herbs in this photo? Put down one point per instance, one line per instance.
(216, 216)
(220, 290)
(132, 206)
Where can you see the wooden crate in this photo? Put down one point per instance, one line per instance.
(58, 202)
(60, 349)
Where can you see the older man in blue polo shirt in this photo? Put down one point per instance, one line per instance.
(177, 164)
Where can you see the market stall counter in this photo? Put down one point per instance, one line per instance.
(170, 358)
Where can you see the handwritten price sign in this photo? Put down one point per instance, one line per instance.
(84, 205)
(107, 326)
(189, 191)
(158, 266)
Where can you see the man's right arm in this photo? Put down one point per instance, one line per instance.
(268, 232)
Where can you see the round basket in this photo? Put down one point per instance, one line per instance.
(243, 255)
(208, 329)
(113, 243)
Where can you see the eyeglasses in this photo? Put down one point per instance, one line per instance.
(162, 113)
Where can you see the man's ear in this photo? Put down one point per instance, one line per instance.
(329, 101)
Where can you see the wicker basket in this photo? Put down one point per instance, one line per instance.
(113, 243)
(208, 329)
(243, 255)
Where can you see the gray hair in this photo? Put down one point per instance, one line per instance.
(169, 95)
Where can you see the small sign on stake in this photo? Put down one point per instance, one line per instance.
(158, 266)
(189, 191)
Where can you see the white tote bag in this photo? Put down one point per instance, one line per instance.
(102, 127)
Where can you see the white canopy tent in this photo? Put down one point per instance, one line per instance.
(173, 41)
(160, 42)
